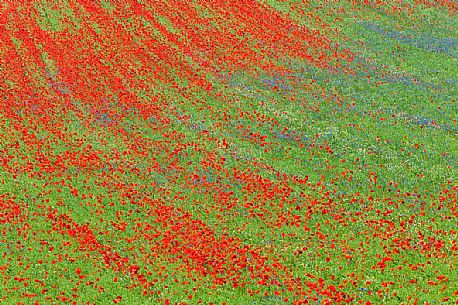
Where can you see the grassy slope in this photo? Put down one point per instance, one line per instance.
(385, 129)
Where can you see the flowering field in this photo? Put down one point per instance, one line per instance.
(228, 152)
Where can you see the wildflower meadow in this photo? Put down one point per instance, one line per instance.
(237, 152)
